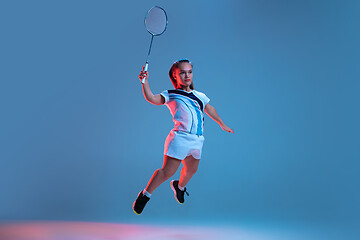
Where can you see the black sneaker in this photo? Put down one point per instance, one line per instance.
(140, 203)
(178, 194)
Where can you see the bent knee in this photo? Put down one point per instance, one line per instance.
(190, 171)
(166, 173)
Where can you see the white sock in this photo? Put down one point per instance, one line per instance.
(181, 188)
(146, 193)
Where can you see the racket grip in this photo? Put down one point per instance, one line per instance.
(145, 69)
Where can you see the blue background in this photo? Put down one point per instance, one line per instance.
(78, 140)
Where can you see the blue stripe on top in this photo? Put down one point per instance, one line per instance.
(179, 119)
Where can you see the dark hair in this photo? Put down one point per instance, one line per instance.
(176, 65)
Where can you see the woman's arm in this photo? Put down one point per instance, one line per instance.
(211, 111)
(149, 96)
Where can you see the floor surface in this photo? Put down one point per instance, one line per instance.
(116, 231)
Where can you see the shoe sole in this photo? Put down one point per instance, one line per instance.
(172, 187)
(133, 207)
(134, 210)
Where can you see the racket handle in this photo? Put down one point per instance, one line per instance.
(145, 69)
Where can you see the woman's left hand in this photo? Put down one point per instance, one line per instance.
(227, 129)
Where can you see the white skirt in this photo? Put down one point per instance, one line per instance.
(180, 144)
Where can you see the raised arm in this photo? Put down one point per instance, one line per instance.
(211, 111)
(149, 96)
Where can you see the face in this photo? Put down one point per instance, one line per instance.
(183, 74)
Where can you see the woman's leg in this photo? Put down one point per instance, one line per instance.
(169, 168)
(189, 169)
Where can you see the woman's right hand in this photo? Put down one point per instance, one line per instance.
(143, 74)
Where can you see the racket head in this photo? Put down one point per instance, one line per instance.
(156, 21)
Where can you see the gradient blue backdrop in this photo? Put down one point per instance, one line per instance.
(78, 140)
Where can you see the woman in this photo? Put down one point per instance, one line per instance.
(184, 142)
